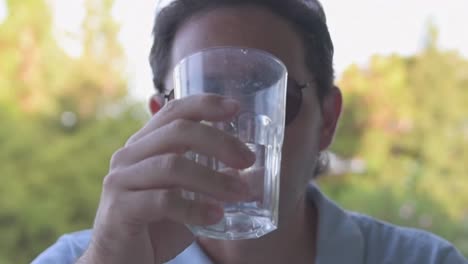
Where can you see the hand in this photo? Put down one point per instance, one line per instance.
(141, 216)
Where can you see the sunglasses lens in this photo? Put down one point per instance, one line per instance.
(293, 101)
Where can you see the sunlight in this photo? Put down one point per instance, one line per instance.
(3, 11)
(372, 28)
(68, 17)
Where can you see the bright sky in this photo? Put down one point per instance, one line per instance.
(359, 29)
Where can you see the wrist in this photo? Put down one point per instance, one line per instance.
(91, 256)
(86, 259)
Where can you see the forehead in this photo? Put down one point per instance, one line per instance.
(245, 26)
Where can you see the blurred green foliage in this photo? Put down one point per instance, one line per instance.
(407, 119)
(51, 177)
(62, 117)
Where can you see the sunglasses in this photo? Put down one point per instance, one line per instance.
(293, 99)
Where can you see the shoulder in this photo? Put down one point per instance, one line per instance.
(387, 243)
(67, 249)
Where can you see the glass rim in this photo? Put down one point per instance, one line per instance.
(240, 48)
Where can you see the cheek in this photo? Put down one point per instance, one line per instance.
(302, 136)
(300, 151)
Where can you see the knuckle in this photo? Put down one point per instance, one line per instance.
(111, 180)
(163, 200)
(169, 162)
(171, 106)
(119, 156)
(182, 125)
(131, 140)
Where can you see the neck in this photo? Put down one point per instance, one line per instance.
(293, 242)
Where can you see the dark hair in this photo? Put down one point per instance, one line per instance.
(307, 17)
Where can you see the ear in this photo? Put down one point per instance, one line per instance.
(156, 102)
(331, 111)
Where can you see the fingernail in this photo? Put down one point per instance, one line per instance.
(247, 155)
(230, 105)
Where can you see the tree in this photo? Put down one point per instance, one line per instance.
(55, 136)
(42, 79)
(407, 118)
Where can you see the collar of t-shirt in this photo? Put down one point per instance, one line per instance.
(336, 230)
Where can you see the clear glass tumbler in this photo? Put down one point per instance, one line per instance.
(257, 80)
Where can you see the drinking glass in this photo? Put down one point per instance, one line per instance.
(258, 81)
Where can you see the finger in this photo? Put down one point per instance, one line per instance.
(147, 206)
(182, 136)
(255, 180)
(208, 107)
(191, 211)
(174, 171)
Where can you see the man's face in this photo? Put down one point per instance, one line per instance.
(256, 27)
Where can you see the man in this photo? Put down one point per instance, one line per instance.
(141, 219)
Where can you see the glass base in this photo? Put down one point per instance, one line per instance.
(236, 226)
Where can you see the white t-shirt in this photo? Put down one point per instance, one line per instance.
(343, 237)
